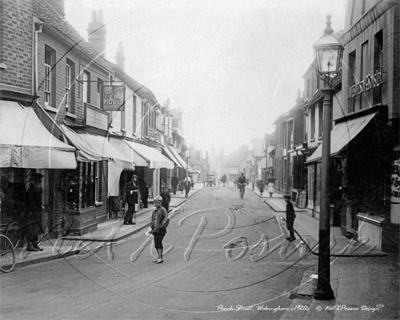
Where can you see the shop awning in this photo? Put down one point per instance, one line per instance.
(171, 156)
(93, 148)
(178, 157)
(26, 143)
(123, 146)
(341, 135)
(155, 158)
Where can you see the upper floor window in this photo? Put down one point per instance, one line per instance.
(69, 86)
(312, 123)
(352, 78)
(86, 87)
(47, 84)
(364, 70)
(49, 76)
(100, 84)
(134, 115)
(378, 65)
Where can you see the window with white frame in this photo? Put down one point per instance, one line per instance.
(86, 87)
(47, 84)
(100, 84)
(67, 87)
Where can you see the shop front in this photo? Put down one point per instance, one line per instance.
(358, 175)
(87, 188)
(167, 174)
(156, 161)
(27, 147)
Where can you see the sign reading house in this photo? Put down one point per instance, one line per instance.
(113, 98)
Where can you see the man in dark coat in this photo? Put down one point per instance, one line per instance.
(144, 193)
(290, 216)
(174, 183)
(131, 193)
(166, 199)
(34, 209)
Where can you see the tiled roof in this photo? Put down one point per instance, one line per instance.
(137, 87)
(50, 17)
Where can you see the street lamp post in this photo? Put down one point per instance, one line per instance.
(328, 53)
(187, 154)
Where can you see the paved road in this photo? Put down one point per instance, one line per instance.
(223, 254)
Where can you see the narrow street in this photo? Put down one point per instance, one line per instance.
(225, 258)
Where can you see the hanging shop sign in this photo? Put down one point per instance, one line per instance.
(154, 135)
(370, 82)
(95, 117)
(113, 98)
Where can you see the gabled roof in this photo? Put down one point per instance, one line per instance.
(50, 17)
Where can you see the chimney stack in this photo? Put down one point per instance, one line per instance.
(120, 57)
(97, 32)
(58, 5)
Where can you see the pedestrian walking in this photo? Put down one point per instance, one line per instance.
(261, 187)
(158, 226)
(174, 183)
(131, 193)
(166, 199)
(270, 188)
(34, 209)
(290, 216)
(188, 184)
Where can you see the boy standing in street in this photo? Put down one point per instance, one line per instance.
(290, 216)
(158, 226)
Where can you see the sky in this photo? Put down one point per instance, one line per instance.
(232, 66)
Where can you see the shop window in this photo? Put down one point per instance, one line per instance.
(84, 181)
(88, 180)
(12, 193)
(311, 183)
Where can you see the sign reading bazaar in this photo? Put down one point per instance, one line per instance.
(113, 98)
(370, 82)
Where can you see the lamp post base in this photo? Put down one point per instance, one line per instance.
(324, 294)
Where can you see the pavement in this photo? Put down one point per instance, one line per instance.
(364, 280)
(110, 231)
(307, 230)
